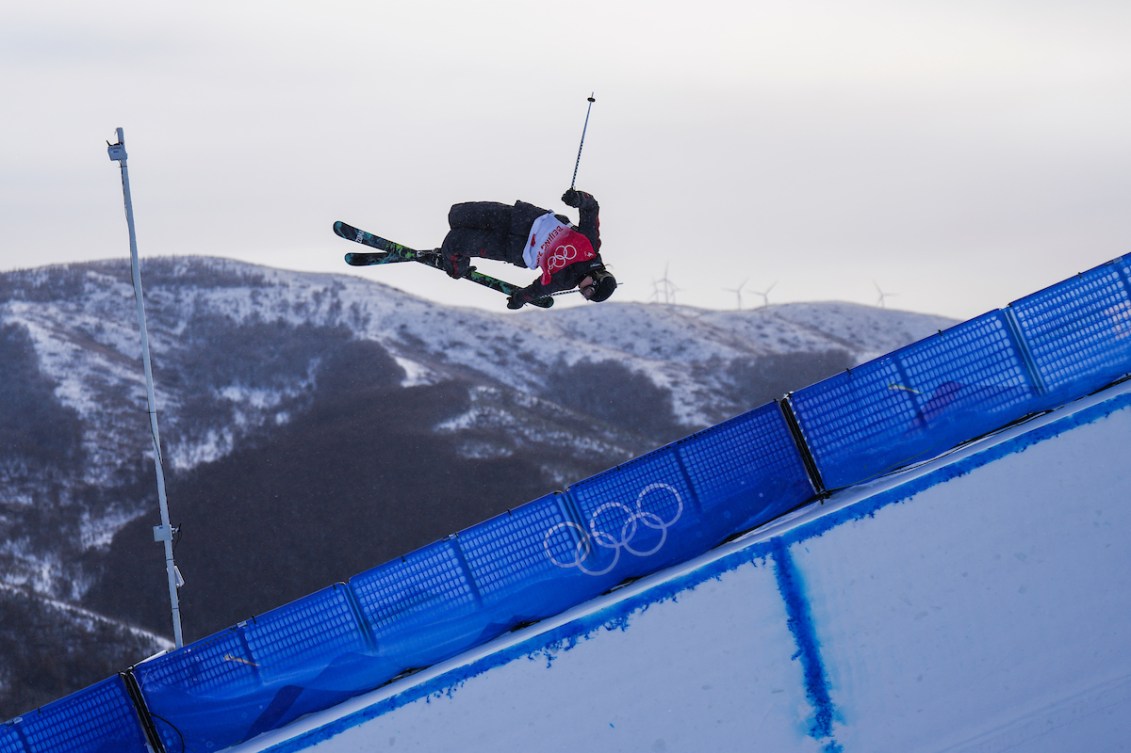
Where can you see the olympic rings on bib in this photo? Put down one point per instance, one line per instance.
(561, 257)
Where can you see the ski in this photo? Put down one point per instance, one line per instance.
(389, 252)
(367, 258)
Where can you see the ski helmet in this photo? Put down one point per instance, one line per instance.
(603, 285)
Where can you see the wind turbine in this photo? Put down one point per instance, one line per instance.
(738, 292)
(881, 300)
(766, 294)
(665, 287)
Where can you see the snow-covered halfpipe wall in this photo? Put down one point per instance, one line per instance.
(980, 602)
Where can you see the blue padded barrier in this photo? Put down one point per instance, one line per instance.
(10, 739)
(746, 470)
(1079, 331)
(557, 551)
(677, 502)
(301, 657)
(98, 719)
(635, 517)
(526, 562)
(421, 608)
(916, 402)
(218, 664)
(304, 631)
(501, 552)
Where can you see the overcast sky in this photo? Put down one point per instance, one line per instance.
(957, 154)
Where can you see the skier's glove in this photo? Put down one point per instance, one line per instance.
(516, 300)
(457, 266)
(572, 198)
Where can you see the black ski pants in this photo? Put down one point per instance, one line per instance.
(490, 230)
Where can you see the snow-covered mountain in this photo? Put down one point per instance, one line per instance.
(263, 373)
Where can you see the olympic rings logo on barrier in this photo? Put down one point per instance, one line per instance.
(634, 521)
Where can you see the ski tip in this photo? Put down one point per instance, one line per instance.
(362, 259)
(345, 230)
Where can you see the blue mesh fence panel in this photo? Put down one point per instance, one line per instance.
(99, 719)
(748, 469)
(636, 516)
(967, 380)
(198, 693)
(524, 562)
(852, 412)
(505, 551)
(220, 663)
(1079, 331)
(301, 657)
(915, 402)
(10, 739)
(423, 607)
(303, 632)
(415, 589)
(311, 654)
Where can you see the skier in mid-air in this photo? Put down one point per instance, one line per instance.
(529, 236)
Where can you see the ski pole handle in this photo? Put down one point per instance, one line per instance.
(577, 164)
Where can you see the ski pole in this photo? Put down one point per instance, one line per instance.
(580, 146)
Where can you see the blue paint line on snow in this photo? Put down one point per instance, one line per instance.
(791, 585)
(617, 615)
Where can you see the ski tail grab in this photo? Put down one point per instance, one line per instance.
(389, 252)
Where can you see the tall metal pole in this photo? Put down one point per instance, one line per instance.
(577, 164)
(164, 532)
